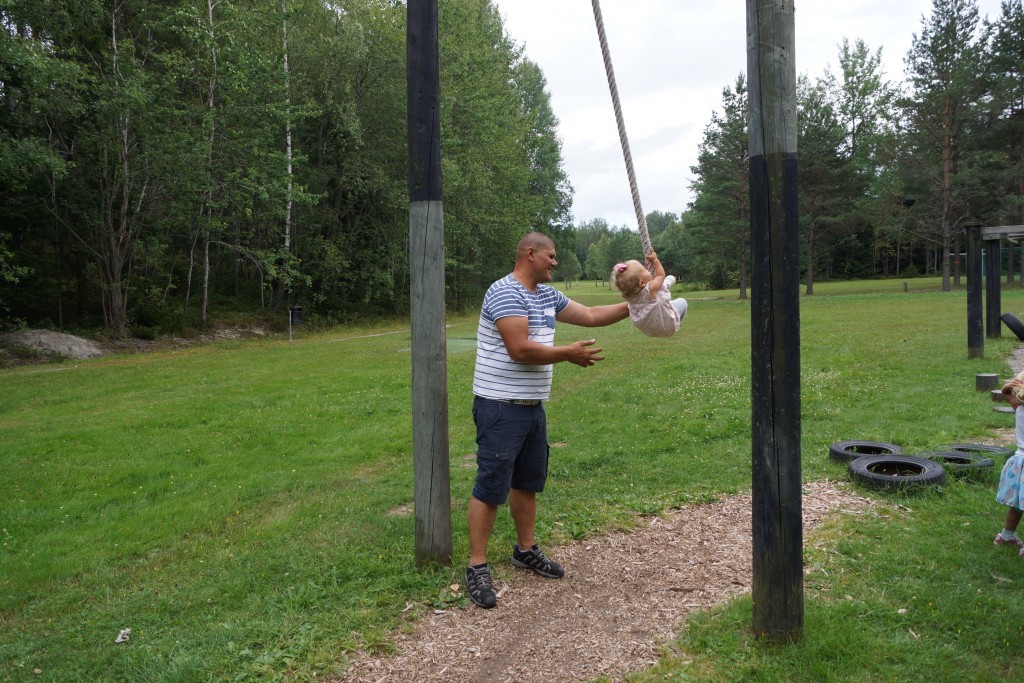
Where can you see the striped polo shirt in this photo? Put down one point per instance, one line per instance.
(496, 375)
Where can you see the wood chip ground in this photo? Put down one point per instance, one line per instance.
(624, 595)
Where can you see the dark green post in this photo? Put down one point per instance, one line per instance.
(993, 288)
(975, 329)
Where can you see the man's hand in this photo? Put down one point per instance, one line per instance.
(580, 355)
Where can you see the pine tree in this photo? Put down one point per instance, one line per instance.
(720, 211)
(945, 66)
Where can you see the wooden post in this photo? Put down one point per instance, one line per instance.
(431, 477)
(986, 381)
(993, 289)
(975, 330)
(775, 322)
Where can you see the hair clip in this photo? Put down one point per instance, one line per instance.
(621, 267)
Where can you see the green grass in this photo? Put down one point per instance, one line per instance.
(238, 506)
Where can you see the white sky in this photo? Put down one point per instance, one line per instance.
(672, 58)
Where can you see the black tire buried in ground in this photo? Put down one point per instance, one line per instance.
(982, 449)
(960, 465)
(845, 451)
(1014, 323)
(896, 472)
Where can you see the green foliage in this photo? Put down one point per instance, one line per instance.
(829, 191)
(146, 145)
(949, 90)
(719, 216)
(1006, 133)
(614, 246)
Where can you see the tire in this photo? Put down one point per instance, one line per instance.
(845, 451)
(896, 472)
(960, 465)
(979, 449)
(1014, 323)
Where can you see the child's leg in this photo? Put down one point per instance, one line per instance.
(1008, 535)
(1013, 516)
(680, 305)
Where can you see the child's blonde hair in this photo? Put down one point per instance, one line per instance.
(1018, 389)
(626, 277)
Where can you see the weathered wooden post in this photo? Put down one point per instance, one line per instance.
(975, 331)
(993, 288)
(431, 478)
(775, 322)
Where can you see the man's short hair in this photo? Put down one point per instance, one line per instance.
(536, 240)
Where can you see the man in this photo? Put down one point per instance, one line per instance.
(515, 352)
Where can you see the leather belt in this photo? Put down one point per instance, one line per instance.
(516, 401)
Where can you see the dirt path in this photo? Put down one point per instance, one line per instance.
(624, 594)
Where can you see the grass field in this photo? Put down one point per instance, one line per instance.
(240, 506)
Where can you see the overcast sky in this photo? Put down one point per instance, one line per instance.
(672, 58)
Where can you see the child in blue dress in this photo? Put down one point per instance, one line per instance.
(1010, 492)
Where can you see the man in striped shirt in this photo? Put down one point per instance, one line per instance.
(515, 352)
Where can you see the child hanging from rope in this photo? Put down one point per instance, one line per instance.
(651, 306)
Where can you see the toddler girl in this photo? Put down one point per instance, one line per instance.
(651, 306)
(1009, 492)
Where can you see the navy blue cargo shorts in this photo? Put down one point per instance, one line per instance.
(512, 449)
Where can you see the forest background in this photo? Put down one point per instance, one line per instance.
(165, 164)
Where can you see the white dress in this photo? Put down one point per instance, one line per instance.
(655, 317)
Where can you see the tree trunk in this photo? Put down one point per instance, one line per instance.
(947, 192)
(282, 282)
(204, 306)
(205, 210)
(743, 264)
(810, 260)
(957, 261)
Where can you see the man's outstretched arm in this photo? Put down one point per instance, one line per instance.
(593, 316)
(515, 332)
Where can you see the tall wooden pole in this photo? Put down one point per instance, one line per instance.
(431, 479)
(975, 326)
(777, 585)
(993, 288)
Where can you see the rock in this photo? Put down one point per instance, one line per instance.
(50, 345)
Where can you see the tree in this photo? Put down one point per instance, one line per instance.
(549, 190)
(158, 154)
(569, 268)
(864, 107)
(587, 234)
(658, 222)
(34, 96)
(720, 211)
(673, 247)
(828, 187)
(615, 246)
(947, 89)
(1007, 66)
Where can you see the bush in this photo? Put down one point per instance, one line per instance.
(153, 315)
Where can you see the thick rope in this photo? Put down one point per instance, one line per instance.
(641, 220)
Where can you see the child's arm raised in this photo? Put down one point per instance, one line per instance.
(659, 275)
(1008, 392)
